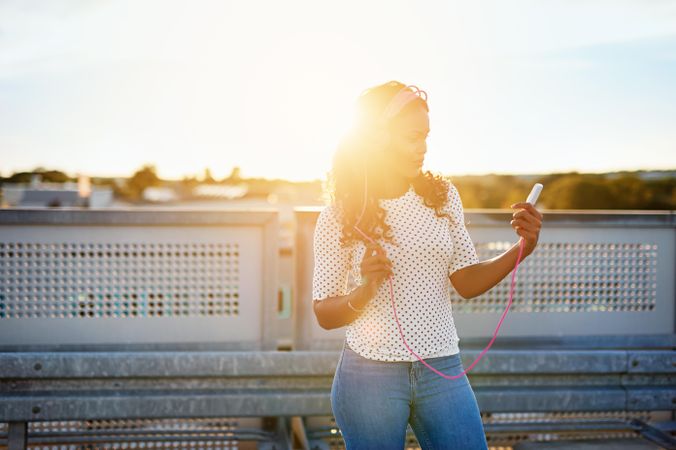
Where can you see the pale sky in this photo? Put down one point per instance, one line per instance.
(103, 87)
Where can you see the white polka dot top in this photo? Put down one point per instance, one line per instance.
(430, 250)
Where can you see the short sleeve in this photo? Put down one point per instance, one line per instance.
(331, 261)
(464, 253)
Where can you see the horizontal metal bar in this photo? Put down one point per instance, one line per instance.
(133, 347)
(563, 398)
(259, 215)
(511, 427)
(115, 217)
(651, 398)
(576, 218)
(654, 361)
(164, 431)
(589, 342)
(639, 342)
(263, 384)
(219, 403)
(273, 363)
(163, 438)
(572, 425)
(151, 364)
(130, 405)
(568, 217)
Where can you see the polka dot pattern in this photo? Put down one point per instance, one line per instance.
(430, 250)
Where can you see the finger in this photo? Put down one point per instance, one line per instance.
(527, 206)
(521, 213)
(378, 275)
(383, 275)
(521, 231)
(527, 215)
(383, 259)
(520, 223)
(529, 210)
(375, 267)
(535, 211)
(523, 206)
(378, 259)
(369, 267)
(383, 266)
(532, 220)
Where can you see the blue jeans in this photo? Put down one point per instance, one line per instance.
(373, 402)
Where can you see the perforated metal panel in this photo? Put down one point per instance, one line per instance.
(130, 279)
(171, 279)
(574, 277)
(589, 275)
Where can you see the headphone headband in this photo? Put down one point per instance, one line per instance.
(401, 98)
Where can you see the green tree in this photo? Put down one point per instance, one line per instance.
(580, 192)
(207, 177)
(142, 178)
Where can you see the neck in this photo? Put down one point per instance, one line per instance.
(393, 187)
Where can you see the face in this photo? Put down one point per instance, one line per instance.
(408, 143)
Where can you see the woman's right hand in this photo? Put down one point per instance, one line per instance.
(375, 267)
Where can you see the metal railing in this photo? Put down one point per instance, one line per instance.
(149, 315)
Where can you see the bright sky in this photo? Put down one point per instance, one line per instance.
(101, 88)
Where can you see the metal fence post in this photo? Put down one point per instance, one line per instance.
(16, 435)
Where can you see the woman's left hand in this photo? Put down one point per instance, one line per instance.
(527, 223)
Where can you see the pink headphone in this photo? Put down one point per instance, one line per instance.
(376, 132)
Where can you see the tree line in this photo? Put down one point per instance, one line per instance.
(571, 191)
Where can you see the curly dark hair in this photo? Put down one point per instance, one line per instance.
(344, 187)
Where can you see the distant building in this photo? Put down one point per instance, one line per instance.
(159, 194)
(39, 194)
(220, 191)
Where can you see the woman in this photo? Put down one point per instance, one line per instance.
(417, 221)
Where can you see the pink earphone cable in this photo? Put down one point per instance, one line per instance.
(511, 292)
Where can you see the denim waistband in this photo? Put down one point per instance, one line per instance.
(449, 359)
